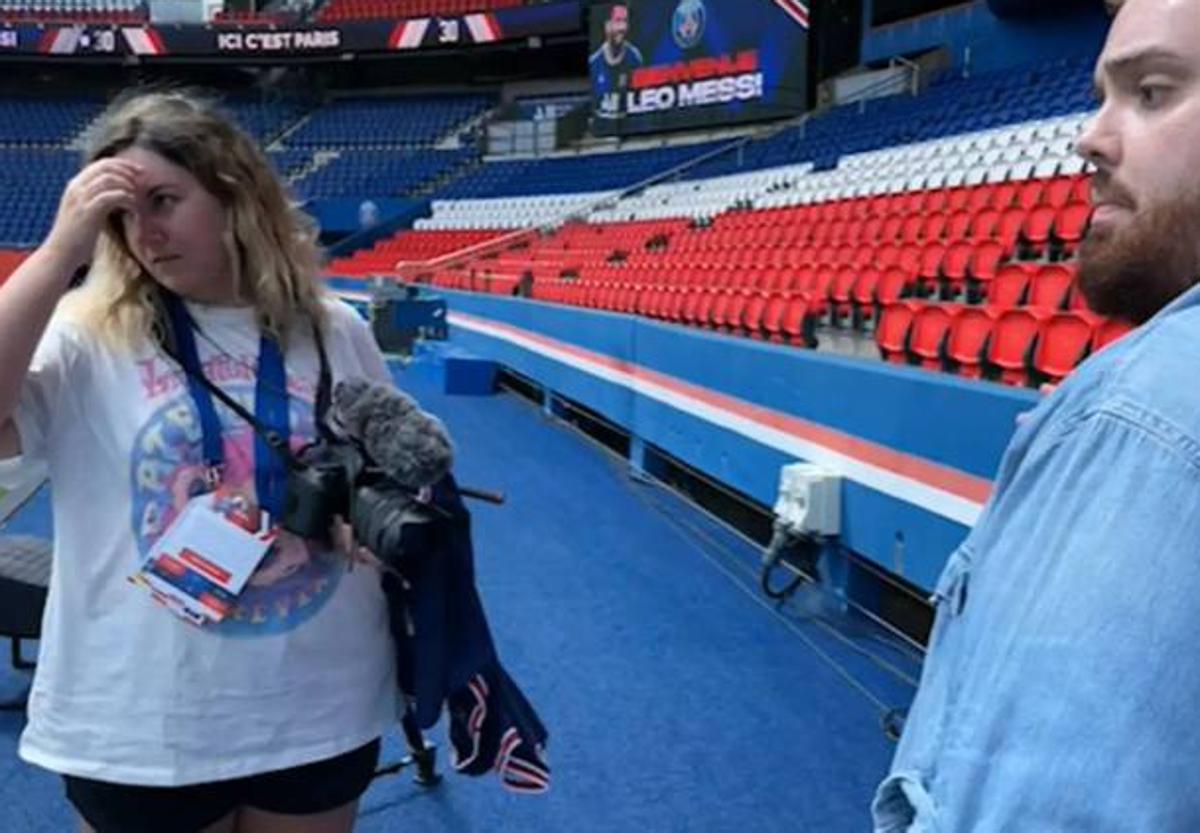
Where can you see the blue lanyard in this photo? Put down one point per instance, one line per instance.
(270, 407)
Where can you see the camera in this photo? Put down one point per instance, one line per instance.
(335, 478)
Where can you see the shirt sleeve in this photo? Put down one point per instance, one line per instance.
(1088, 630)
(366, 349)
(40, 408)
(1123, 479)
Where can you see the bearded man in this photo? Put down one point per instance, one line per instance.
(1061, 686)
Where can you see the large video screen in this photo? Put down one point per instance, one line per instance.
(666, 64)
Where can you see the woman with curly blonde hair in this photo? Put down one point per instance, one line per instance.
(268, 719)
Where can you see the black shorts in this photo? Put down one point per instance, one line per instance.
(299, 791)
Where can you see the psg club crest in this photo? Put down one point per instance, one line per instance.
(687, 25)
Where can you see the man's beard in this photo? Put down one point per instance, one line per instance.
(1134, 271)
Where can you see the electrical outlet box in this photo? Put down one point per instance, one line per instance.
(810, 500)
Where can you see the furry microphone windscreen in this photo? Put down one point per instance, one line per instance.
(412, 446)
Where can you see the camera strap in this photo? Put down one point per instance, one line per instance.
(271, 424)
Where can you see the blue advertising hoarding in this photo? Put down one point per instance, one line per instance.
(658, 65)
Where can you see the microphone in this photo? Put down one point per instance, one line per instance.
(409, 445)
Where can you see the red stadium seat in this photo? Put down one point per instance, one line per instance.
(1038, 224)
(955, 266)
(841, 293)
(1050, 287)
(1082, 192)
(1005, 195)
(957, 199)
(1010, 349)
(931, 263)
(720, 307)
(691, 306)
(911, 233)
(1008, 288)
(886, 257)
(818, 296)
(1064, 340)
(935, 201)
(910, 260)
(752, 316)
(1029, 195)
(984, 225)
(967, 342)
(894, 284)
(864, 296)
(772, 320)
(1058, 191)
(934, 227)
(927, 339)
(1008, 232)
(704, 309)
(980, 198)
(893, 228)
(891, 336)
(1108, 331)
(958, 227)
(985, 261)
(735, 310)
(798, 324)
(1071, 223)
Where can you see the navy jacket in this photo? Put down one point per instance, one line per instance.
(445, 654)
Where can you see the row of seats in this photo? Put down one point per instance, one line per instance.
(73, 11)
(336, 10)
(841, 261)
(519, 212)
(570, 174)
(31, 121)
(411, 246)
(264, 119)
(239, 17)
(983, 102)
(374, 173)
(32, 180)
(1027, 346)
(388, 122)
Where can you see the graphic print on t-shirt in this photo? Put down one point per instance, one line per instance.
(296, 578)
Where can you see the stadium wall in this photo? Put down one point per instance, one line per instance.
(917, 450)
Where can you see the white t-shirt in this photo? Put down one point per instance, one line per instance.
(126, 692)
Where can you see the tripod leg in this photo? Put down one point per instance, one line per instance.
(424, 755)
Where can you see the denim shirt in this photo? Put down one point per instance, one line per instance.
(1061, 691)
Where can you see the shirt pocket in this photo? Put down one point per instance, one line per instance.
(950, 595)
(903, 805)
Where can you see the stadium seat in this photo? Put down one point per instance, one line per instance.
(797, 325)
(1070, 224)
(1009, 288)
(968, 340)
(1049, 288)
(892, 334)
(1064, 340)
(772, 320)
(927, 337)
(1038, 225)
(864, 296)
(1010, 349)
(1108, 331)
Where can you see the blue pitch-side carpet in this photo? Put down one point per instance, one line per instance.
(677, 699)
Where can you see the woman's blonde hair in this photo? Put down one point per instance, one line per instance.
(271, 242)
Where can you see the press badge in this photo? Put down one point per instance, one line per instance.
(197, 568)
